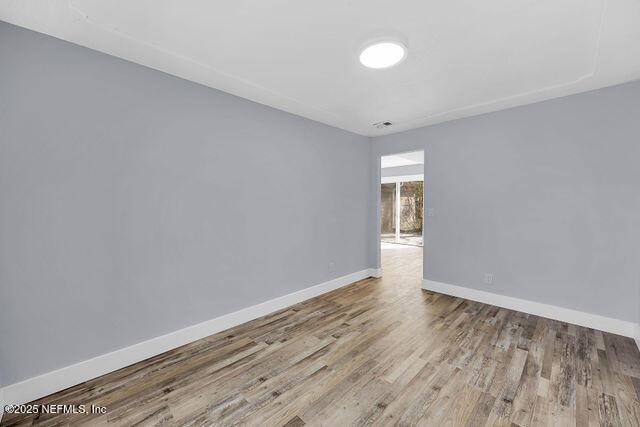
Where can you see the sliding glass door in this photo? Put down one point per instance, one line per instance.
(402, 208)
(411, 208)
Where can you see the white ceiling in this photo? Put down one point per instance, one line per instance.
(404, 159)
(465, 57)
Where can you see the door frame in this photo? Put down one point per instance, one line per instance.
(378, 201)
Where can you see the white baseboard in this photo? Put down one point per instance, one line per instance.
(1, 403)
(637, 335)
(376, 272)
(581, 318)
(51, 382)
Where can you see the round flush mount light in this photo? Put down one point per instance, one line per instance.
(383, 54)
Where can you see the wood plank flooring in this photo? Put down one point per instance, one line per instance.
(377, 352)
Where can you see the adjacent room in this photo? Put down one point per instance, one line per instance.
(337, 213)
(402, 198)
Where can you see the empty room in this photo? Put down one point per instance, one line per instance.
(336, 213)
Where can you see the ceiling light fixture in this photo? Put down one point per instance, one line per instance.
(383, 54)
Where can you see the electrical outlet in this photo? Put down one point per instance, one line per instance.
(332, 267)
(431, 212)
(488, 278)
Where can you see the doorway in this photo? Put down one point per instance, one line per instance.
(401, 210)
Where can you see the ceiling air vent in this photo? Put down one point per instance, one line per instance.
(381, 125)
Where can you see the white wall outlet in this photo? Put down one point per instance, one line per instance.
(431, 212)
(488, 278)
(332, 267)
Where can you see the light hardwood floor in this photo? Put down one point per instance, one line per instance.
(380, 351)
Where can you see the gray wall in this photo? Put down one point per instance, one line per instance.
(545, 196)
(124, 216)
(403, 170)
